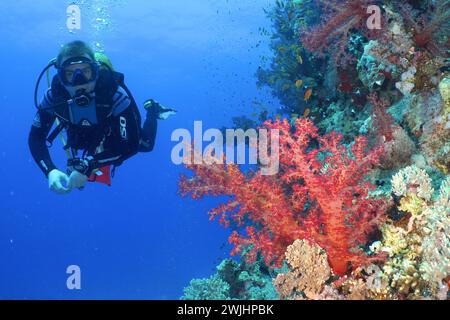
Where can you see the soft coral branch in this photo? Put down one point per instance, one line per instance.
(383, 121)
(429, 25)
(340, 18)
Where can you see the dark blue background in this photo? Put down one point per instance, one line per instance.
(137, 239)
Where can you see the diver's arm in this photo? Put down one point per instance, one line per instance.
(37, 138)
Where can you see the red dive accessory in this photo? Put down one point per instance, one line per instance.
(102, 175)
(88, 167)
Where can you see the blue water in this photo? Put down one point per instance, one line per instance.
(137, 239)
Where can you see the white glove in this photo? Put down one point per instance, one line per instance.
(77, 180)
(58, 182)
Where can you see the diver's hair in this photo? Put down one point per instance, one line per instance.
(74, 49)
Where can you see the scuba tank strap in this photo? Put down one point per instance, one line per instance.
(71, 152)
(52, 136)
(120, 78)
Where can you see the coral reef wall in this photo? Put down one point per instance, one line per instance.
(360, 208)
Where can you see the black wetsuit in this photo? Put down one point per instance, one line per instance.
(115, 136)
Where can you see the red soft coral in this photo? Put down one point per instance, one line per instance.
(260, 198)
(341, 18)
(341, 213)
(321, 193)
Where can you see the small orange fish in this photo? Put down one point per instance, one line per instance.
(298, 83)
(308, 94)
(306, 113)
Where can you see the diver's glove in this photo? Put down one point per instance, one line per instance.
(58, 182)
(79, 171)
(159, 111)
(77, 180)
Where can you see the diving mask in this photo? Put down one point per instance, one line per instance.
(78, 72)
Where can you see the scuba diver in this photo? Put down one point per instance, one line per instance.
(90, 101)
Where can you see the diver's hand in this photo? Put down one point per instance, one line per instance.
(77, 180)
(58, 182)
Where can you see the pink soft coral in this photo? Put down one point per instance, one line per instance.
(320, 194)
